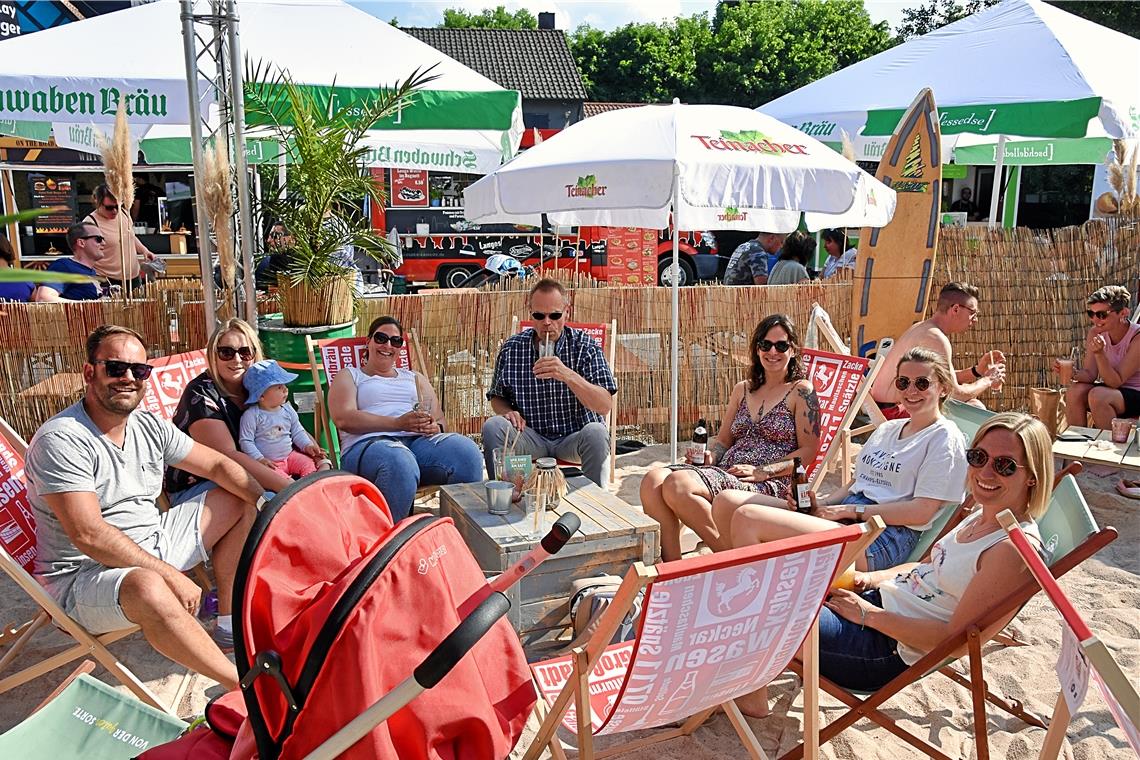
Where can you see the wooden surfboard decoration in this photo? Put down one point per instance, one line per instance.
(895, 263)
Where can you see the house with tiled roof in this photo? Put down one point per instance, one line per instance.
(535, 62)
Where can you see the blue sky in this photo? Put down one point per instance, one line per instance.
(602, 14)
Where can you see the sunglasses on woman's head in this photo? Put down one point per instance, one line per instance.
(539, 316)
(780, 345)
(227, 353)
(116, 368)
(1098, 314)
(1003, 465)
(902, 382)
(383, 338)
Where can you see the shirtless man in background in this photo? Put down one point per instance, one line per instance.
(957, 311)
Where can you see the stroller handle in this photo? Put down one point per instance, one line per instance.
(561, 532)
(452, 649)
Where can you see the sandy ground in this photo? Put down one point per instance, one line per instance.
(1105, 589)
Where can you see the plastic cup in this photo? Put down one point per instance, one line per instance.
(1120, 428)
(497, 464)
(1065, 370)
(498, 496)
(845, 580)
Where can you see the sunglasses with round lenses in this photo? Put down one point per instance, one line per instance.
(539, 316)
(781, 345)
(1004, 466)
(116, 368)
(1097, 314)
(902, 382)
(383, 338)
(227, 353)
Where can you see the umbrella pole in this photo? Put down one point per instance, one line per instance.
(999, 163)
(675, 352)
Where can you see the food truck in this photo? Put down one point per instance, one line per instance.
(440, 245)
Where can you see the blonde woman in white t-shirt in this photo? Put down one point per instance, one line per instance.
(895, 616)
(907, 472)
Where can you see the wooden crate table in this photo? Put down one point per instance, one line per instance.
(612, 537)
(1125, 456)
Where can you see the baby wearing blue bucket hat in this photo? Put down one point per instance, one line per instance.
(270, 430)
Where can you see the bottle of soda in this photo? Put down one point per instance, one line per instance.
(700, 443)
(800, 486)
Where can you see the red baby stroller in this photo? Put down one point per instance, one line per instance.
(337, 608)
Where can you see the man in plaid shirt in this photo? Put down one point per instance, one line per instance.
(559, 402)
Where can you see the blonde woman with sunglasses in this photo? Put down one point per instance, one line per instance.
(896, 615)
(211, 407)
(907, 472)
(391, 425)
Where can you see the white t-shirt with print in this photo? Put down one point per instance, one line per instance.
(929, 464)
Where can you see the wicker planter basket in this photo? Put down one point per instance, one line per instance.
(303, 305)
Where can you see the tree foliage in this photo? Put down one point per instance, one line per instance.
(499, 18)
(748, 54)
(932, 14)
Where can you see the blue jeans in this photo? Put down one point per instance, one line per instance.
(398, 465)
(893, 545)
(857, 658)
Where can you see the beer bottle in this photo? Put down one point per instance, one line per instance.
(800, 486)
(700, 443)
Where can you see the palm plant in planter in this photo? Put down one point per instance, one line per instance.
(327, 185)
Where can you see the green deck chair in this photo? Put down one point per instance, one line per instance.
(89, 720)
(968, 418)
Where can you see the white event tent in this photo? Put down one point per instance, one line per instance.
(1022, 73)
(69, 78)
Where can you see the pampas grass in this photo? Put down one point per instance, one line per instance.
(219, 205)
(848, 145)
(118, 163)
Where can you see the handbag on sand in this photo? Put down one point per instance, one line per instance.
(1048, 405)
(588, 600)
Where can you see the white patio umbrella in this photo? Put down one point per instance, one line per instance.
(703, 166)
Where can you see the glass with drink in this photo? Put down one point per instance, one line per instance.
(845, 580)
(1120, 428)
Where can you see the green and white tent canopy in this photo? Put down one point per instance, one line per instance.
(1021, 68)
(70, 78)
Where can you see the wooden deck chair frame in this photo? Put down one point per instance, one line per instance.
(638, 579)
(609, 349)
(971, 638)
(1112, 677)
(86, 644)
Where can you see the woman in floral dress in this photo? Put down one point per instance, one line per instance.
(772, 417)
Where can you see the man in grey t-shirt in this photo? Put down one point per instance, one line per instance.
(106, 554)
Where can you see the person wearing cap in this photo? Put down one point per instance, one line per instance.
(270, 429)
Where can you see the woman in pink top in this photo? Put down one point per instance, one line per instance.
(1108, 385)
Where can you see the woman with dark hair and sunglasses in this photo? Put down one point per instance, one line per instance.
(907, 472)
(391, 425)
(896, 615)
(211, 407)
(772, 417)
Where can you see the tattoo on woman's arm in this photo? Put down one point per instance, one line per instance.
(718, 451)
(811, 400)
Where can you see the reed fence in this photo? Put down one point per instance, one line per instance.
(1033, 289)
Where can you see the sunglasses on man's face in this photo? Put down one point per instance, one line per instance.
(1003, 465)
(116, 368)
(781, 346)
(383, 338)
(227, 353)
(1098, 314)
(96, 238)
(539, 316)
(902, 382)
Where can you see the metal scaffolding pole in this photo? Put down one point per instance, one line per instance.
(213, 56)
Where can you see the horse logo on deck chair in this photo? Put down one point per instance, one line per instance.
(747, 582)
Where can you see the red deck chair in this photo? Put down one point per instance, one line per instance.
(755, 606)
(605, 335)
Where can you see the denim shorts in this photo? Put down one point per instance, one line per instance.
(856, 657)
(893, 545)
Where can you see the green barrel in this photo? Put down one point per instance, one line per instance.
(287, 344)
